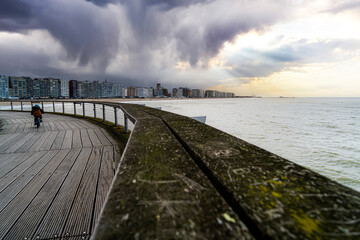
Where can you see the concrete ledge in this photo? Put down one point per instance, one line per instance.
(273, 197)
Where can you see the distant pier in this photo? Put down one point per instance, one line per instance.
(176, 179)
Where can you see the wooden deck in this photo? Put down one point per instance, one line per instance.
(53, 180)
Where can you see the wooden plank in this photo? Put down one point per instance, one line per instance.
(6, 158)
(39, 205)
(89, 124)
(65, 125)
(47, 126)
(28, 127)
(108, 136)
(11, 213)
(85, 139)
(105, 179)
(28, 160)
(71, 125)
(103, 139)
(76, 124)
(59, 126)
(82, 123)
(16, 186)
(12, 142)
(53, 126)
(76, 139)
(25, 147)
(81, 213)
(58, 140)
(20, 128)
(14, 163)
(67, 143)
(94, 140)
(7, 137)
(36, 146)
(9, 129)
(49, 141)
(18, 144)
(57, 215)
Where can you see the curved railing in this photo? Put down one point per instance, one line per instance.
(179, 178)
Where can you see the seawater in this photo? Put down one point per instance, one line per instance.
(322, 134)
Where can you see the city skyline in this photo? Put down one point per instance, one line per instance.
(269, 48)
(24, 87)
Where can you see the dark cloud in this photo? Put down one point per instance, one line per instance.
(139, 40)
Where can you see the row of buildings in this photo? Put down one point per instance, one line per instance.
(26, 87)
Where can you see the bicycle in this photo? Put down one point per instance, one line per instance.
(37, 122)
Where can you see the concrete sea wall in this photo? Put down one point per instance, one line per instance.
(181, 179)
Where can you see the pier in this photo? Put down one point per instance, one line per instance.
(176, 178)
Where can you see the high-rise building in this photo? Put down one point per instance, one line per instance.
(64, 88)
(73, 88)
(117, 90)
(18, 87)
(86, 89)
(55, 87)
(44, 88)
(4, 87)
(36, 88)
(159, 91)
(107, 89)
(197, 93)
(131, 92)
(79, 89)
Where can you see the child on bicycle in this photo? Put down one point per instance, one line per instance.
(37, 112)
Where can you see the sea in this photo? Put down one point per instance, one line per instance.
(322, 134)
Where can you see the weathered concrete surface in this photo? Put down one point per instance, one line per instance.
(160, 193)
(284, 200)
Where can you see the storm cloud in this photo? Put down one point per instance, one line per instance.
(138, 41)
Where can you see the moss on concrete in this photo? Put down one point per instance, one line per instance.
(282, 198)
(160, 193)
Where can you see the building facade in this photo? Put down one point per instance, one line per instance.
(18, 86)
(64, 92)
(4, 86)
(117, 90)
(73, 88)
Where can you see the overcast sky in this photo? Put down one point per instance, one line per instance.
(262, 47)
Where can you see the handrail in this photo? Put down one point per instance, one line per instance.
(115, 106)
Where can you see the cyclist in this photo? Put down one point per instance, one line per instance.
(37, 112)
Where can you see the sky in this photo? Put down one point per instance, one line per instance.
(267, 48)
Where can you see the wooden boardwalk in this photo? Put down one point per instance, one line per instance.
(53, 180)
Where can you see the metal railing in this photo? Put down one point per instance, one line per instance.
(59, 106)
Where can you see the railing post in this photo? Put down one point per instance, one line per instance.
(126, 124)
(74, 108)
(83, 109)
(104, 113)
(12, 107)
(116, 117)
(42, 105)
(22, 107)
(63, 105)
(95, 110)
(53, 106)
